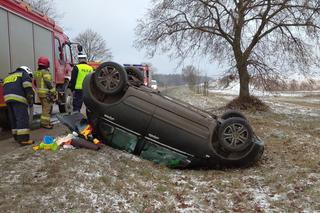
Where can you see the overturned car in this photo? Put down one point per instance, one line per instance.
(127, 115)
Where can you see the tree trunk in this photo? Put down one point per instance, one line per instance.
(244, 81)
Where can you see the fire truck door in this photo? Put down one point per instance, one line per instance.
(59, 62)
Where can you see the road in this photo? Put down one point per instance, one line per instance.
(8, 144)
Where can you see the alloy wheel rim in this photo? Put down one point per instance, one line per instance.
(109, 78)
(236, 135)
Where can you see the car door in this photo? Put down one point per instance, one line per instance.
(133, 112)
(137, 110)
(177, 127)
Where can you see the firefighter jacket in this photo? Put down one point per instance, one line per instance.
(79, 72)
(17, 87)
(43, 82)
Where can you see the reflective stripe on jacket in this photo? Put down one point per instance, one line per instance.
(43, 81)
(14, 97)
(17, 86)
(83, 71)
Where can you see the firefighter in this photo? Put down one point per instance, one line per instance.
(45, 90)
(18, 95)
(79, 72)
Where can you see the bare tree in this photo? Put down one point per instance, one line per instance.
(191, 75)
(261, 38)
(47, 7)
(94, 45)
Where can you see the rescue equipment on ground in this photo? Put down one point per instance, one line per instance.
(48, 143)
(85, 130)
(81, 137)
(82, 143)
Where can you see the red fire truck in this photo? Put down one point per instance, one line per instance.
(26, 34)
(146, 72)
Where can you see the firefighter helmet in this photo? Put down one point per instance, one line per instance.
(44, 61)
(82, 57)
(27, 69)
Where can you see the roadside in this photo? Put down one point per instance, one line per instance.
(8, 144)
(286, 179)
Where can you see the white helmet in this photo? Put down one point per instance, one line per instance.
(27, 69)
(82, 57)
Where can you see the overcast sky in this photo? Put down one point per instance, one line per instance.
(116, 21)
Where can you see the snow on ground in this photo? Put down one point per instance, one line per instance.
(289, 108)
(286, 179)
(234, 88)
(279, 101)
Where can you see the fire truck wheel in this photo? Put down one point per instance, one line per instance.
(135, 76)
(4, 121)
(67, 102)
(111, 78)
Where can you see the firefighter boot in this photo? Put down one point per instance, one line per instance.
(47, 126)
(25, 143)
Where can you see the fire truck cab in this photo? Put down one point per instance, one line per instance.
(26, 34)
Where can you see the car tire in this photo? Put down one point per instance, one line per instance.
(67, 102)
(233, 114)
(110, 78)
(135, 76)
(235, 134)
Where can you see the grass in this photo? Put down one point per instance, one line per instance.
(252, 104)
(286, 179)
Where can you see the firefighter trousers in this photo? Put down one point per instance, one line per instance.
(46, 111)
(19, 121)
(77, 100)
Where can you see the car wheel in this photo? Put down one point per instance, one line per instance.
(232, 114)
(235, 134)
(135, 76)
(67, 102)
(110, 78)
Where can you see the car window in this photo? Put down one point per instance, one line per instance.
(162, 155)
(118, 138)
(124, 140)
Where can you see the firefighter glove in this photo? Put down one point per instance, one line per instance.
(30, 100)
